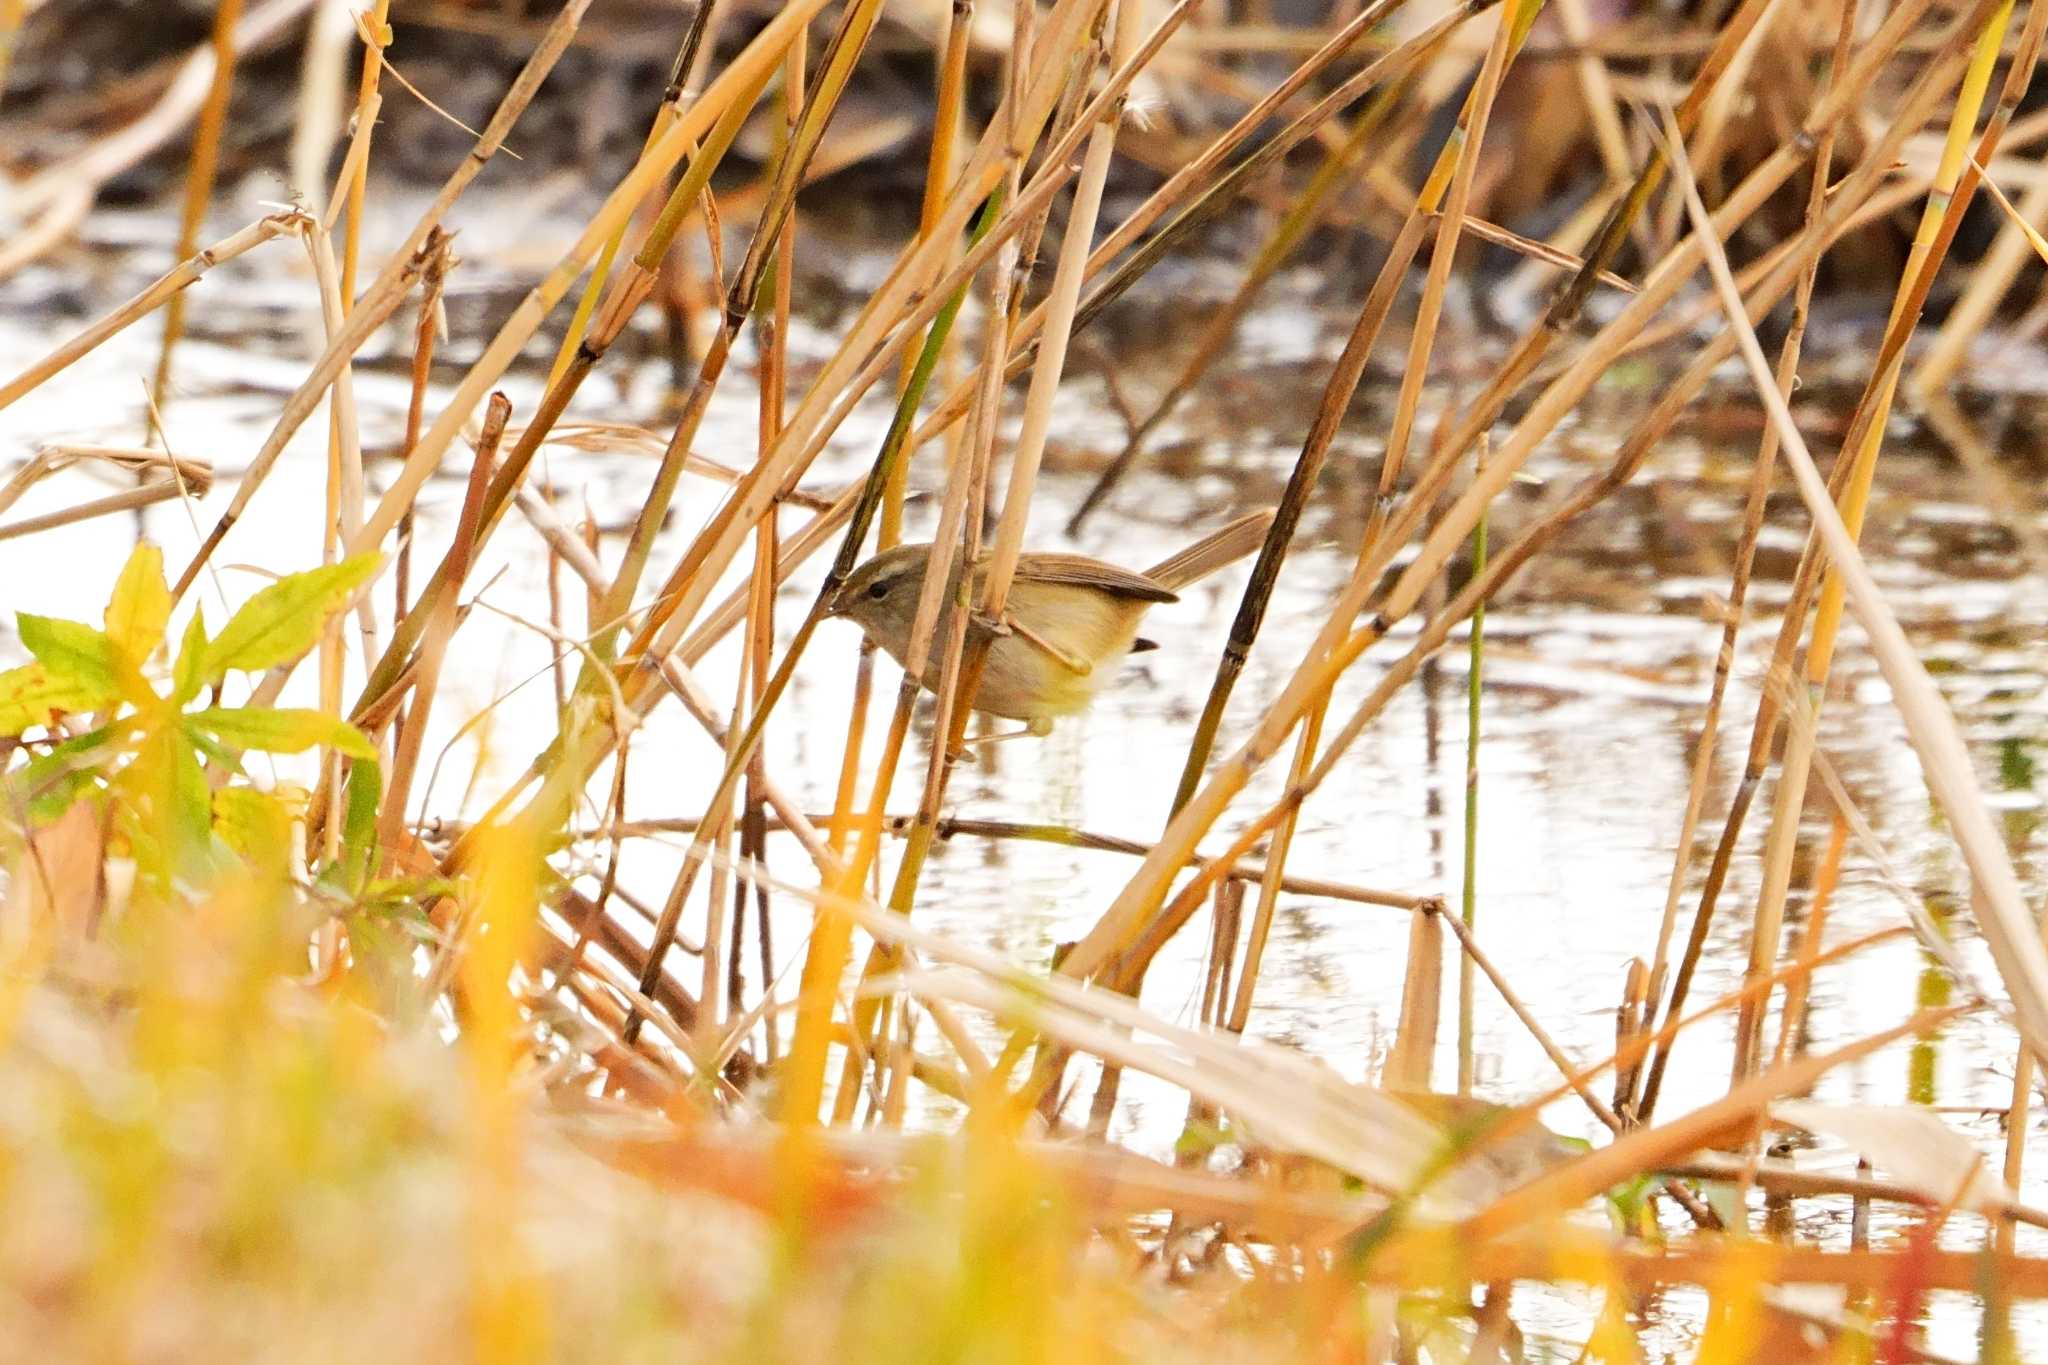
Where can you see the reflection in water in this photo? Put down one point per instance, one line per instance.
(1597, 663)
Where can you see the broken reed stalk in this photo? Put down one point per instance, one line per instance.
(405, 750)
(199, 177)
(133, 499)
(439, 261)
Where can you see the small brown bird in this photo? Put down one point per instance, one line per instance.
(1071, 618)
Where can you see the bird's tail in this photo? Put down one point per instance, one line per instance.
(1214, 551)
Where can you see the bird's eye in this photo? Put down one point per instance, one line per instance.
(879, 589)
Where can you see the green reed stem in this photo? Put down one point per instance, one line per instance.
(1468, 909)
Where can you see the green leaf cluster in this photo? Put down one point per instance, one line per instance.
(165, 763)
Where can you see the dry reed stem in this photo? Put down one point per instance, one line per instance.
(440, 631)
(1410, 1061)
(1807, 575)
(199, 177)
(196, 475)
(759, 55)
(145, 495)
(760, 644)
(375, 306)
(1923, 259)
(830, 941)
(165, 287)
(748, 502)
(1752, 528)
(375, 32)
(1990, 279)
(1061, 305)
(1324, 661)
(1998, 902)
(439, 261)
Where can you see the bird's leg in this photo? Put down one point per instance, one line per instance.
(1038, 727)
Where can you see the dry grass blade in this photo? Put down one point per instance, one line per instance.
(2013, 215)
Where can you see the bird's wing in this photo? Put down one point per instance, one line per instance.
(1081, 571)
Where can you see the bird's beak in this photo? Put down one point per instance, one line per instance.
(835, 605)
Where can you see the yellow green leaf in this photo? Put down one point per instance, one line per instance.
(254, 824)
(185, 679)
(74, 655)
(140, 606)
(282, 621)
(28, 696)
(280, 730)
